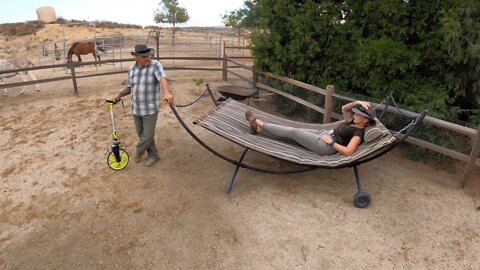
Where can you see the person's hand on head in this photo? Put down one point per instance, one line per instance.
(364, 104)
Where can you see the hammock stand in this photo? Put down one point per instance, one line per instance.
(227, 120)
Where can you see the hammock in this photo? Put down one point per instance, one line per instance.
(228, 121)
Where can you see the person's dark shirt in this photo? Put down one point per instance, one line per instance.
(345, 132)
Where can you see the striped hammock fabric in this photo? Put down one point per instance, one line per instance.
(228, 120)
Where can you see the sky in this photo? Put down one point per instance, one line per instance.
(202, 12)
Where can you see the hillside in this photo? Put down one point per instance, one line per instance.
(14, 44)
(27, 38)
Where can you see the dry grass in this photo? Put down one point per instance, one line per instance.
(20, 29)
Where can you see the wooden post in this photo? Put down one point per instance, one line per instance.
(472, 160)
(255, 81)
(74, 78)
(327, 116)
(157, 40)
(224, 63)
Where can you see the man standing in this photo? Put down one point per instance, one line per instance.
(145, 79)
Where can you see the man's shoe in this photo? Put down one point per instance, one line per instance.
(138, 157)
(151, 161)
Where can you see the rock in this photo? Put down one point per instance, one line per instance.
(46, 14)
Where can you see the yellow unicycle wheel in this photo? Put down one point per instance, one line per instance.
(116, 164)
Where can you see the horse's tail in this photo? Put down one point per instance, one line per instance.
(99, 47)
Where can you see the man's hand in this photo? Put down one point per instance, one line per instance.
(168, 98)
(116, 98)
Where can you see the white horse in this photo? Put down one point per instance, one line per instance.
(16, 63)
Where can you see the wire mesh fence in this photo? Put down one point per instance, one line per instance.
(449, 149)
(201, 42)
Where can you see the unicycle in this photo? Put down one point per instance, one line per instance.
(117, 158)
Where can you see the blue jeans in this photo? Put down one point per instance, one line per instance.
(308, 138)
(145, 127)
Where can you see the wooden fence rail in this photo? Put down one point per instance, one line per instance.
(227, 59)
(72, 67)
(472, 159)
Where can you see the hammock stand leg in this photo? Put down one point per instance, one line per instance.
(235, 171)
(210, 92)
(362, 198)
(357, 179)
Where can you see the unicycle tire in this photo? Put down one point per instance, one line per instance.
(117, 165)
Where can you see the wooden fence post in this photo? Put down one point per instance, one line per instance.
(74, 78)
(224, 63)
(255, 80)
(327, 116)
(472, 160)
(157, 40)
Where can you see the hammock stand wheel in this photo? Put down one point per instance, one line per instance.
(233, 109)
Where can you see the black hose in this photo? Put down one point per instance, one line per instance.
(193, 102)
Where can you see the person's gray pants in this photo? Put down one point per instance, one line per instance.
(145, 127)
(308, 138)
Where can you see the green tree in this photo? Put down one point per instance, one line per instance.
(427, 52)
(233, 19)
(170, 12)
(460, 32)
(297, 39)
(242, 18)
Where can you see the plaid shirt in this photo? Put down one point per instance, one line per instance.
(145, 86)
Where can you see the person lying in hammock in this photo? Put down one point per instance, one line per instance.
(344, 139)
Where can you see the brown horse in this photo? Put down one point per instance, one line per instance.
(82, 48)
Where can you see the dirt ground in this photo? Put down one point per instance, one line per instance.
(61, 207)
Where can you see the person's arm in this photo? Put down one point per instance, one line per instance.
(122, 93)
(167, 95)
(347, 109)
(344, 150)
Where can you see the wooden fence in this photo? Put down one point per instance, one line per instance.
(327, 110)
(471, 160)
(74, 65)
